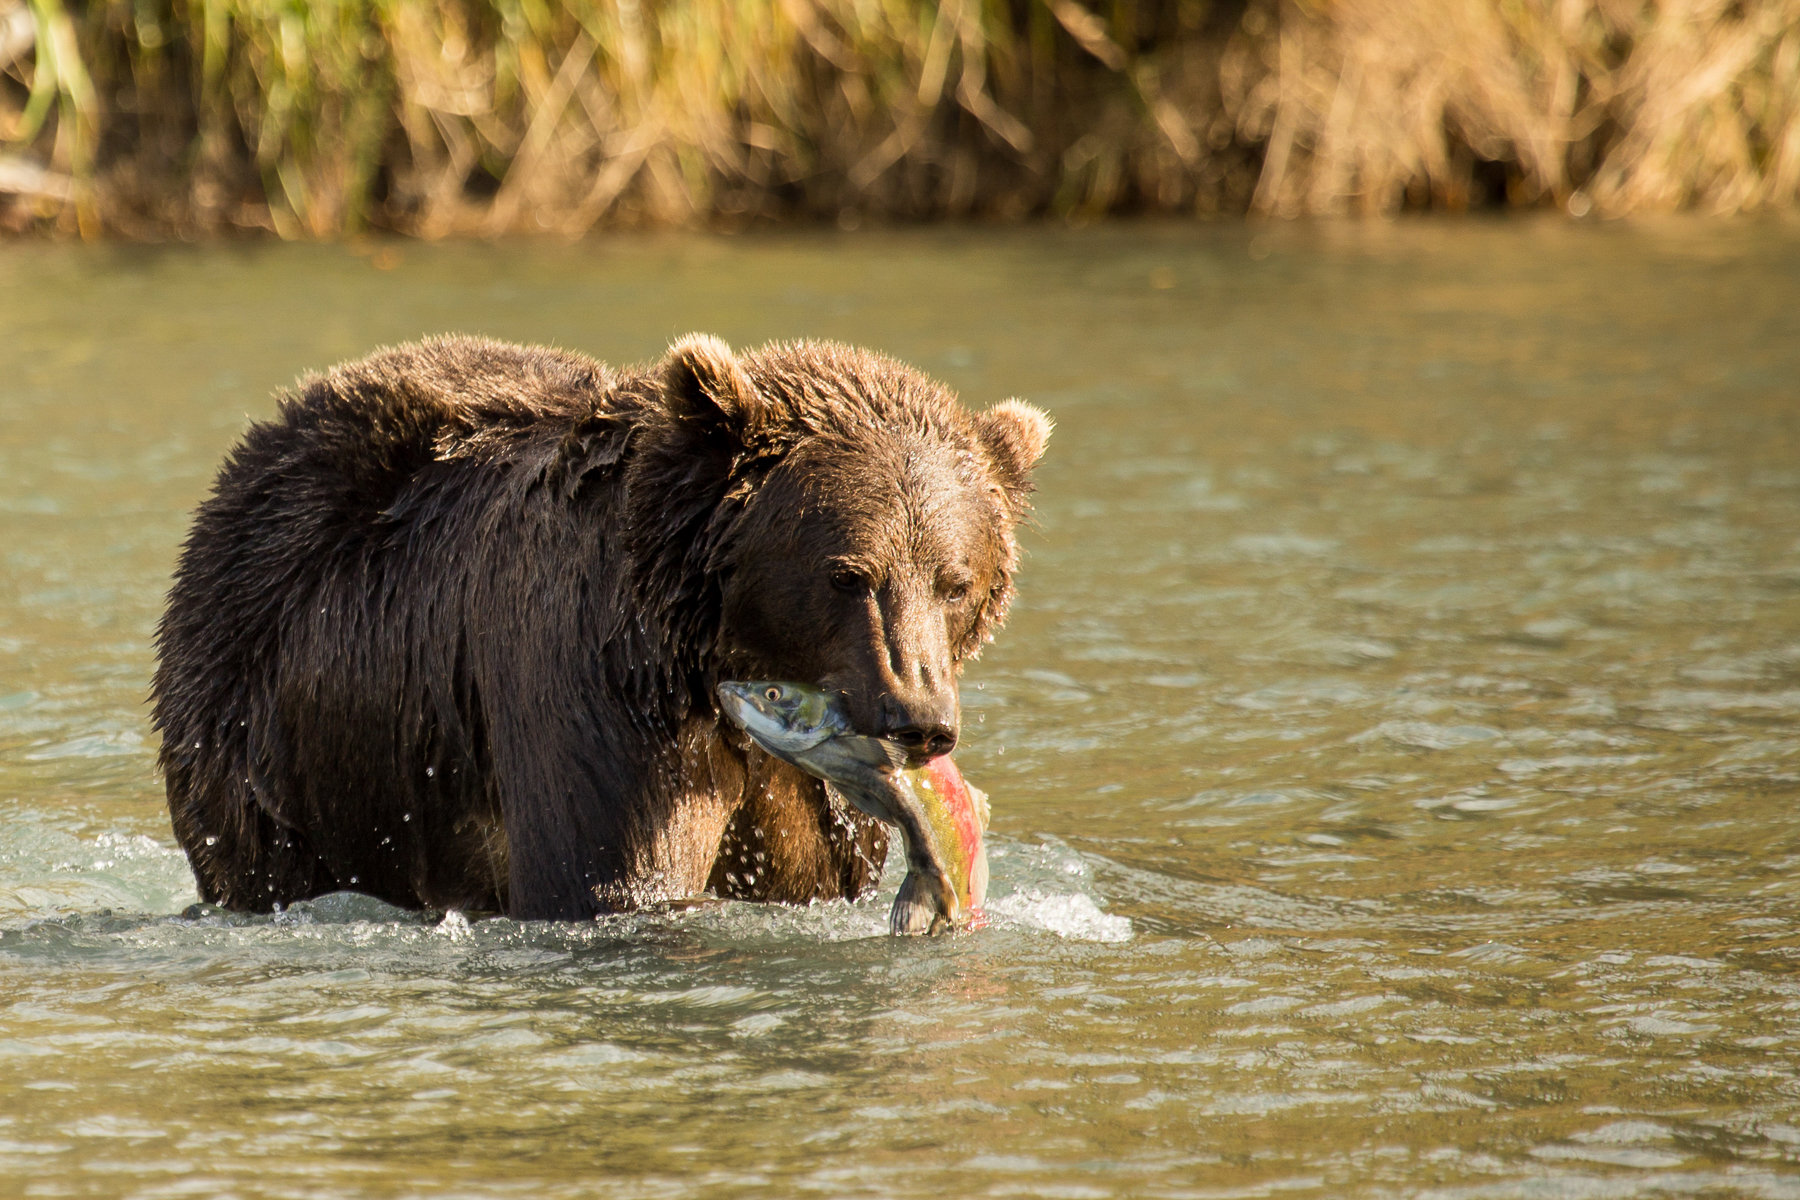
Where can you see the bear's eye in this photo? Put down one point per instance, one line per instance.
(852, 582)
(955, 588)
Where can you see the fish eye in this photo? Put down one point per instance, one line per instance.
(772, 693)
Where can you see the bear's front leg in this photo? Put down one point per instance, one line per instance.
(789, 843)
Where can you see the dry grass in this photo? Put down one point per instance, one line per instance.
(1618, 107)
(156, 118)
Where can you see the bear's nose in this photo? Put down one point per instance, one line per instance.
(925, 742)
(924, 731)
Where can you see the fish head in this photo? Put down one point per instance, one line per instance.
(786, 719)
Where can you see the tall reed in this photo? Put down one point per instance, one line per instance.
(315, 119)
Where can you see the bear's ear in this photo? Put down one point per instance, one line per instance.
(1014, 434)
(705, 384)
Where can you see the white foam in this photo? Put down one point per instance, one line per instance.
(1069, 915)
(60, 873)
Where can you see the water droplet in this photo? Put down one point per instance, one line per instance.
(430, 771)
(212, 839)
(406, 816)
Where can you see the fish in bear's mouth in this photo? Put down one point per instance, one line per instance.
(940, 816)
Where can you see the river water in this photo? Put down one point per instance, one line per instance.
(1394, 754)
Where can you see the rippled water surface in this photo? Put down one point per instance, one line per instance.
(1394, 754)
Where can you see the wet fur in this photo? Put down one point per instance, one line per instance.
(446, 631)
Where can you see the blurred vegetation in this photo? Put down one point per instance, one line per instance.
(159, 118)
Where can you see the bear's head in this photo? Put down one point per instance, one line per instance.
(819, 513)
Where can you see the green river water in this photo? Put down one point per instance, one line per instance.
(1394, 754)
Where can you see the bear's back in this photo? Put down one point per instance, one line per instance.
(442, 398)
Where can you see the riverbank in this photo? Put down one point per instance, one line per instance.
(159, 120)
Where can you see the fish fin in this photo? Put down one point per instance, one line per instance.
(913, 911)
(983, 809)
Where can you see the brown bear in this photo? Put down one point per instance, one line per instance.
(447, 630)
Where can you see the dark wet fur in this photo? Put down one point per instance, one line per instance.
(447, 630)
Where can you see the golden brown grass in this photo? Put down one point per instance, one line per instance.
(158, 118)
(1606, 105)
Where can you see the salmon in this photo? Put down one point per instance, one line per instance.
(940, 816)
